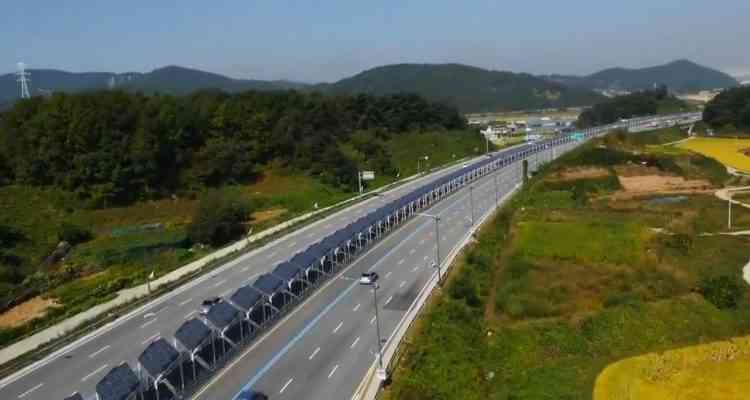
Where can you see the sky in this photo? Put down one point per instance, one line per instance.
(326, 40)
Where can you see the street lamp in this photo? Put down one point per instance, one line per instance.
(419, 161)
(375, 288)
(437, 243)
(471, 197)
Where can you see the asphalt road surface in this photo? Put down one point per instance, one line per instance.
(332, 371)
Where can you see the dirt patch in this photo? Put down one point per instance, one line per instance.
(663, 184)
(26, 311)
(267, 215)
(572, 174)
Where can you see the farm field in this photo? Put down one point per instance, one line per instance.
(580, 271)
(714, 371)
(731, 152)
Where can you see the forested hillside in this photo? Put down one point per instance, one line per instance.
(471, 89)
(680, 76)
(637, 104)
(111, 147)
(730, 110)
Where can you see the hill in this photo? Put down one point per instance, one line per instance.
(680, 76)
(468, 88)
(171, 80)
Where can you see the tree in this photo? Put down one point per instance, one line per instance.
(722, 291)
(220, 218)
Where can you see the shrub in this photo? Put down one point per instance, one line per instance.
(74, 234)
(722, 291)
(219, 219)
(622, 299)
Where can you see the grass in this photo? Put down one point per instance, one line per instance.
(557, 289)
(709, 371)
(727, 151)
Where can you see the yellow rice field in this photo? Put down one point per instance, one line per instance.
(727, 151)
(715, 371)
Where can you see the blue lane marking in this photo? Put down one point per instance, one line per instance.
(328, 308)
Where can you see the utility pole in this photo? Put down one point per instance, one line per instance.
(471, 197)
(497, 191)
(375, 288)
(359, 181)
(729, 211)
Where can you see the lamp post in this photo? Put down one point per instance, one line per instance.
(375, 288)
(437, 244)
(471, 198)
(419, 161)
(729, 210)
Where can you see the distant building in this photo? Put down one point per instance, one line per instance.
(745, 83)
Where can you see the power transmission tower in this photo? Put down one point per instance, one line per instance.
(23, 79)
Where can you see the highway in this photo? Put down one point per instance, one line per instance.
(323, 347)
(79, 366)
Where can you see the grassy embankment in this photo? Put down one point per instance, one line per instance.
(580, 271)
(130, 242)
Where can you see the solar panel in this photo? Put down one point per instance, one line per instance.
(192, 333)
(158, 357)
(222, 314)
(286, 271)
(268, 284)
(120, 383)
(246, 298)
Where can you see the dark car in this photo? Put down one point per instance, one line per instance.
(208, 303)
(252, 395)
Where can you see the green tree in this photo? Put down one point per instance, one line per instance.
(220, 218)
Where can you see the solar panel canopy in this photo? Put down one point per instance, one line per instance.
(192, 333)
(120, 383)
(158, 357)
(268, 284)
(222, 314)
(246, 298)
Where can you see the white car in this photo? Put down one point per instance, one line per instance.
(368, 278)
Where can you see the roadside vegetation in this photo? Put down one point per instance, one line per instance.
(608, 253)
(82, 217)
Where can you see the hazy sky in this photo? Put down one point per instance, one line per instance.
(325, 40)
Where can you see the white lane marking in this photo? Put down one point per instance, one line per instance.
(219, 283)
(96, 371)
(372, 320)
(24, 394)
(388, 301)
(285, 386)
(225, 293)
(148, 323)
(312, 235)
(328, 226)
(245, 269)
(182, 303)
(338, 327)
(190, 314)
(333, 371)
(314, 353)
(388, 274)
(292, 244)
(426, 257)
(96, 353)
(401, 261)
(402, 284)
(412, 251)
(151, 338)
(355, 343)
(356, 307)
(415, 269)
(421, 242)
